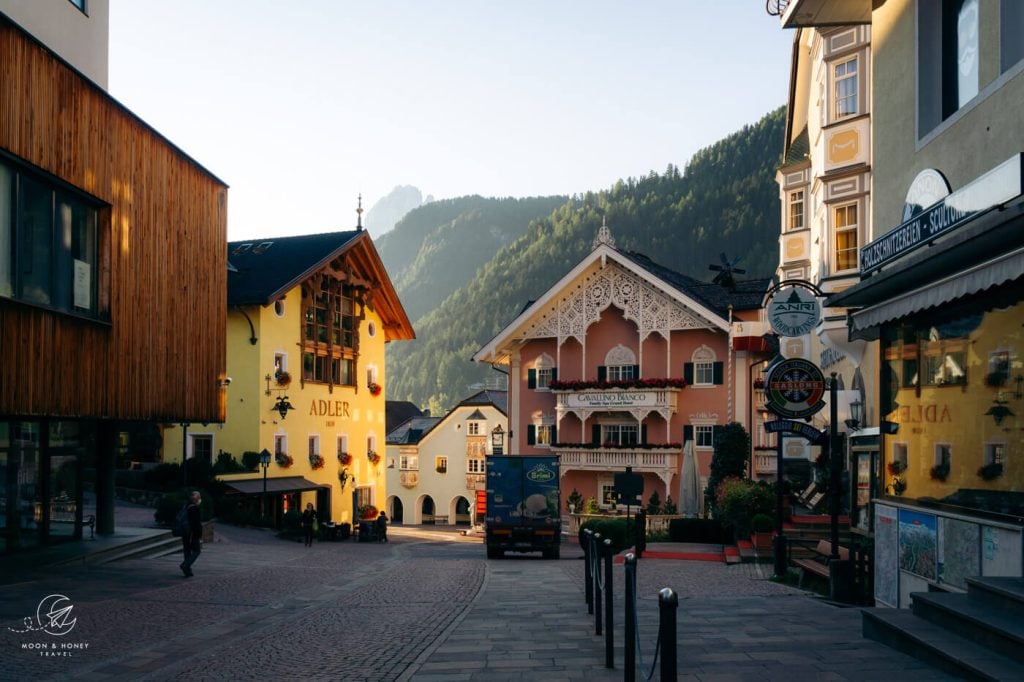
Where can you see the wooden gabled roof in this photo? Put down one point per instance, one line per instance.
(266, 269)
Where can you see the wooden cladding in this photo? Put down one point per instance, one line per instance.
(163, 257)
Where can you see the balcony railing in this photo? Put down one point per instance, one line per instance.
(764, 462)
(618, 458)
(476, 481)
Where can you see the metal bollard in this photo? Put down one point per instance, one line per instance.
(588, 570)
(629, 646)
(609, 612)
(597, 584)
(668, 602)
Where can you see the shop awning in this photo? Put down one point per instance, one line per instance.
(974, 280)
(282, 484)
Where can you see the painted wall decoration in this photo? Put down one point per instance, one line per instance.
(918, 544)
(886, 573)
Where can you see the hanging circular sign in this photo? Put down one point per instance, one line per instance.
(794, 389)
(793, 311)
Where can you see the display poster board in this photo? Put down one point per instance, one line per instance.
(886, 572)
(919, 553)
(958, 551)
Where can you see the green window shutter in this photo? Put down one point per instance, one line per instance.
(643, 434)
(554, 435)
(716, 434)
(719, 373)
(602, 373)
(531, 433)
(595, 434)
(554, 374)
(688, 373)
(687, 432)
(531, 378)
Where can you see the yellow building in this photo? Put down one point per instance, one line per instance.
(308, 320)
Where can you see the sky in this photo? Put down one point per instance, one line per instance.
(302, 106)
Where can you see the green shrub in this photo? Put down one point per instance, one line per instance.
(739, 500)
(163, 477)
(614, 529)
(698, 530)
(250, 460)
(575, 499)
(670, 507)
(592, 506)
(762, 523)
(654, 504)
(227, 464)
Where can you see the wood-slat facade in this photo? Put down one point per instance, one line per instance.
(159, 353)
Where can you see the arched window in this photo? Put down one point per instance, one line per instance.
(704, 370)
(620, 364)
(542, 373)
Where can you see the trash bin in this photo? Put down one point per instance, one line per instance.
(367, 531)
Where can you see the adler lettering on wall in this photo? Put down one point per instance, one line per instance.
(328, 408)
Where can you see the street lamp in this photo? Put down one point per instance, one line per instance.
(856, 414)
(264, 462)
(497, 440)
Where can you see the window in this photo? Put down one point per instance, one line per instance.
(1011, 27)
(364, 496)
(703, 371)
(943, 454)
(544, 434)
(409, 463)
(80, 4)
(544, 377)
(314, 446)
(280, 445)
(620, 434)
(621, 372)
(280, 363)
(845, 83)
(328, 334)
(542, 373)
(795, 220)
(606, 489)
(279, 307)
(899, 455)
(342, 445)
(704, 435)
(49, 244)
(371, 444)
(202, 448)
(473, 429)
(995, 453)
(949, 51)
(476, 466)
(441, 465)
(846, 237)
(371, 375)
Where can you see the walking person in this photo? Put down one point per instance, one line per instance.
(382, 527)
(309, 523)
(192, 535)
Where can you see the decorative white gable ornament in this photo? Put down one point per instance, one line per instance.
(604, 236)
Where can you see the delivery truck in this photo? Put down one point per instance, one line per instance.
(523, 505)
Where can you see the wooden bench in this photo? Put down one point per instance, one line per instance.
(818, 564)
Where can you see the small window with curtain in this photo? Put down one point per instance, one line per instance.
(847, 239)
(845, 82)
(795, 220)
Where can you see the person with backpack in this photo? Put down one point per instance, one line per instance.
(382, 527)
(190, 525)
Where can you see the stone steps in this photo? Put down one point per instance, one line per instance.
(976, 635)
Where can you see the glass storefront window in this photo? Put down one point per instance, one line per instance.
(953, 383)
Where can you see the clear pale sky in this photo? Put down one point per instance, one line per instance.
(301, 106)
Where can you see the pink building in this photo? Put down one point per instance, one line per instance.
(624, 362)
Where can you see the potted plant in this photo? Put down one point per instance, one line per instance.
(574, 501)
(592, 507)
(939, 472)
(896, 467)
(283, 460)
(375, 388)
(761, 527)
(367, 511)
(991, 471)
(759, 383)
(344, 459)
(372, 456)
(316, 461)
(282, 377)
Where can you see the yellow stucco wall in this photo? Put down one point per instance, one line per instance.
(252, 423)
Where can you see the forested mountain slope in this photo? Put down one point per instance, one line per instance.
(726, 200)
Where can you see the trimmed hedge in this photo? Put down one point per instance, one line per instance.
(708, 531)
(614, 529)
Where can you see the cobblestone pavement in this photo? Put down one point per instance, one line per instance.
(426, 607)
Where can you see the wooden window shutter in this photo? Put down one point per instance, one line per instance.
(531, 433)
(643, 434)
(687, 432)
(554, 374)
(595, 434)
(602, 373)
(636, 371)
(554, 435)
(531, 378)
(688, 373)
(716, 434)
(719, 373)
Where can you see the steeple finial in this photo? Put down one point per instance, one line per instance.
(604, 235)
(359, 213)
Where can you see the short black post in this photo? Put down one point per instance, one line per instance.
(609, 603)
(588, 569)
(629, 645)
(640, 533)
(668, 602)
(597, 583)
